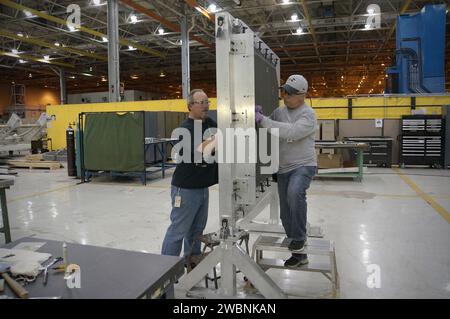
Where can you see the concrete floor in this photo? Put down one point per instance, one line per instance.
(381, 221)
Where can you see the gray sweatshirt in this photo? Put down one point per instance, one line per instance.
(297, 129)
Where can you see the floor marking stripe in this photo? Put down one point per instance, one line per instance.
(441, 210)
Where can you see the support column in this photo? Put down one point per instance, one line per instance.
(113, 51)
(186, 79)
(62, 86)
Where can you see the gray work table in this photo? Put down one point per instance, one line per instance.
(106, 273)
(4, 184)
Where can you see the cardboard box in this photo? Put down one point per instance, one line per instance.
(328, 130)
(329, 160)
(328, 134)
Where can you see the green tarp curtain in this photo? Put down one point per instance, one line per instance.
(114, 142)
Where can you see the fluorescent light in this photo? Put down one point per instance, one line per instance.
(212, 8)
(20, 34)
(299, 31)
(14, 51)
(22, 61)
(46, 57)
(131, 48)
(134, 77)
(161, 31)
(57, 44)
(87, 74)
(133, 18)
(72, 77)
(294, 17)
(28, 14)
(104, 39)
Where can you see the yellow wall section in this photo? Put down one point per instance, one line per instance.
(68, 113)
(325, 109)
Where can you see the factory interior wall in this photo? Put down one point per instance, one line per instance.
(5, 97)
(333, 109)
(36, 99)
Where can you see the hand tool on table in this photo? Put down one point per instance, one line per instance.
(45, 268)
(14, 285)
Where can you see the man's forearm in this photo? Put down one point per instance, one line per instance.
(293, 131)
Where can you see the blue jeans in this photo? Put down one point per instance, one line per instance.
(187, 221)
(292, 188)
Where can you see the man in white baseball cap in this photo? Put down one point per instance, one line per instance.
(296, 84)
(297, 126)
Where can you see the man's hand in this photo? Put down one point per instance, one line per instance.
(259, 116)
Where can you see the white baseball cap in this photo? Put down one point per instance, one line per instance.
(296, 84)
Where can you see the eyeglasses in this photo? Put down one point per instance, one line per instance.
(292, 94)
(205, 102)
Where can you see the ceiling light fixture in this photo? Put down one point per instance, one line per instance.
(212, 8)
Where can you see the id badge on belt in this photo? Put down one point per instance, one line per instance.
(177, 202)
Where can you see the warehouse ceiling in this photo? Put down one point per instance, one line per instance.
(327, 41)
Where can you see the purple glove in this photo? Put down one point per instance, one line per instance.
(258, 114)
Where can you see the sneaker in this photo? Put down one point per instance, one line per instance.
(297, 245)
(295, 262)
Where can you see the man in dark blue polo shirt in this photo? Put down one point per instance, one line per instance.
(190, 182)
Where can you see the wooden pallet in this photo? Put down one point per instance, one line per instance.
(33, 164)
(34, 157)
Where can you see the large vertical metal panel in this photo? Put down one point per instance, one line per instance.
(266, 95)
(237, 95)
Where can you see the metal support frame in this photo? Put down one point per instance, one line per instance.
(4, 184)
(186, 79)
(5, 229)
(269, 198)
(113, 51)
(62, 85)
(235, 60)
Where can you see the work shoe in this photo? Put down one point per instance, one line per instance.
(296, 261)
(297, 245)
